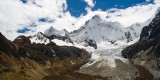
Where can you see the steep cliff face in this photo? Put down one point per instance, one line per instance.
(149, 37)
(22, 40)
(6, 46)
(35, 61)
(146, 51)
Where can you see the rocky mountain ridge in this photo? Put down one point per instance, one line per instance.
(146, 51)
(96, 30)
(32, 61)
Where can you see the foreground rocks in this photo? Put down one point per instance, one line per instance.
(21, 60)
(122, 70)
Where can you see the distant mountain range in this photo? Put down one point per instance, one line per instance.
(92, 33)
(53, 54)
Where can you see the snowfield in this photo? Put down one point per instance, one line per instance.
(108, 52)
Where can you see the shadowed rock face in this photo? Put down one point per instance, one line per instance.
(152, 30)
(34, 61)
(146, 51)
(150, 37)
(6, 46)
(22, 40)
(91, 43)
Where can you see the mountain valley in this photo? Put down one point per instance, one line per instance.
(98, 50)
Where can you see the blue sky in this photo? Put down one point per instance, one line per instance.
(28, 17)
(77, 7)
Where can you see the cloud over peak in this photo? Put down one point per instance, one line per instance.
(90, 3)
(16, 16)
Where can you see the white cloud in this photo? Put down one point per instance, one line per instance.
(148, 0)
(126, 17)
(90, 3)
(131, 15)
(157, 1)
(15, 15)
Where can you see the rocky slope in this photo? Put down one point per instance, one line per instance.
(146, 51)
(111, 64)
(31, 61)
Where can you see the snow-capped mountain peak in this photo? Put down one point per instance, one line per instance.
(52, 31)
(39, 38)
(94, 20)
(98, 30)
